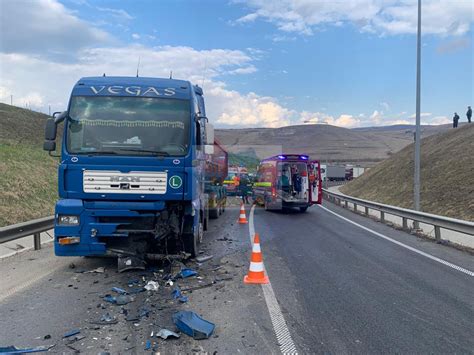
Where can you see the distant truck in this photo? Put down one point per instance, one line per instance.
(353, 172)
(288, 180)
(335, 173)
(136, 171)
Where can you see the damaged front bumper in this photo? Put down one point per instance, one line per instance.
(98, 222)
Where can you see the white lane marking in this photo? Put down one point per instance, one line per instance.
(429, 256)
(278, 321)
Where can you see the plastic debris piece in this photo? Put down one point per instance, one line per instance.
(99, 270)
(14, 350)
(119, 300)
(119, 290)
(71, 333)
(152, 286)
(169, 283)
(165, 334)
(148, 345)
(179, 296)
(186, 272)
(193, 325)
(123, 299)
(106, 318)
(203, 258)
(110, 299)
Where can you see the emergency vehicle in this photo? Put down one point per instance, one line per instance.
(288, 180)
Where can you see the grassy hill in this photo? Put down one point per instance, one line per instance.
(447, 176)
(27, 174)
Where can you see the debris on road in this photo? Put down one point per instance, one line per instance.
(99, 270)
(71, 333)
(14, 350)
(185, 273)
(106, 318)
(169, 283)
(193, 325)
(165, 334)
(119, 300)
(203, 258)
(152, 286)
(148, 345)
(119, 290)
(179, 296)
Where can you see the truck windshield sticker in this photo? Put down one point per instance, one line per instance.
(132, 90)
(135, 123)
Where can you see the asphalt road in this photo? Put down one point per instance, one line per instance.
(345, 290)
(340, 289)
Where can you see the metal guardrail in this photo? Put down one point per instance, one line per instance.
(438, 222)
(24, 229)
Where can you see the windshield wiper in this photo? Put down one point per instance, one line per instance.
(154, 152)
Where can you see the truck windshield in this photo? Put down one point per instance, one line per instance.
(128, 126)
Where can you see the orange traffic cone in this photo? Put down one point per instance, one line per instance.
(256, 273)
(242, 218)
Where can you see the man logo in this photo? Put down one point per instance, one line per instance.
(124, 179)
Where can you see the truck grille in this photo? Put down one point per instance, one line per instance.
(144, 182)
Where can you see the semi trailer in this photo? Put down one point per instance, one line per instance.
(136, 169)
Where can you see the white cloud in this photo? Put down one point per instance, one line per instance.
(376, 117)
(46, 28)
(135, 36)
(117, 14)
(390, 17)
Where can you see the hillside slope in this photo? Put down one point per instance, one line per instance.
(329, 143)
(28, 176)
(447, 180)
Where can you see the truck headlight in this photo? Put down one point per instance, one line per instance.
(67, 220)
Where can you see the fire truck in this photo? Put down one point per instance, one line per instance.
(288, 180)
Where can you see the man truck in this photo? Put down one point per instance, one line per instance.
(135, 171)
(288, 180)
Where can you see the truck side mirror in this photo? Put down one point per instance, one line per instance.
(50, 130)
(209, 134)
(209, 149)
(49, 146)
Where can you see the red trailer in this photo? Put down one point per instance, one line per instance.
(288, 180)
(216, 172)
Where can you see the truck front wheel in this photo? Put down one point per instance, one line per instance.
(303, 209)
(191, 240)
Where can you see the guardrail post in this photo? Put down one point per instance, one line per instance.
(405, 223)
(37, 241)
(366, 211)
(355, 207)
(346, 205)
(437, 233)
(382, 216)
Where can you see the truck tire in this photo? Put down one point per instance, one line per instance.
(191, 240)
(303, 209)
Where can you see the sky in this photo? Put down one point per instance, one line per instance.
(261, 63)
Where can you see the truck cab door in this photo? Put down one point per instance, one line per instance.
(315, 192)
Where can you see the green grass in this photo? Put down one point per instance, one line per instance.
(250, 162)
(28, 181)
(447, 168)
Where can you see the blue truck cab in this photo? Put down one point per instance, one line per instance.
(131, 172)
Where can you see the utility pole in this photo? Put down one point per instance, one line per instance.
(49, 109)
(416, 187)
(11, 100)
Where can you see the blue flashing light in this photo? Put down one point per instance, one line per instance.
(304, 157)
(282, 157)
